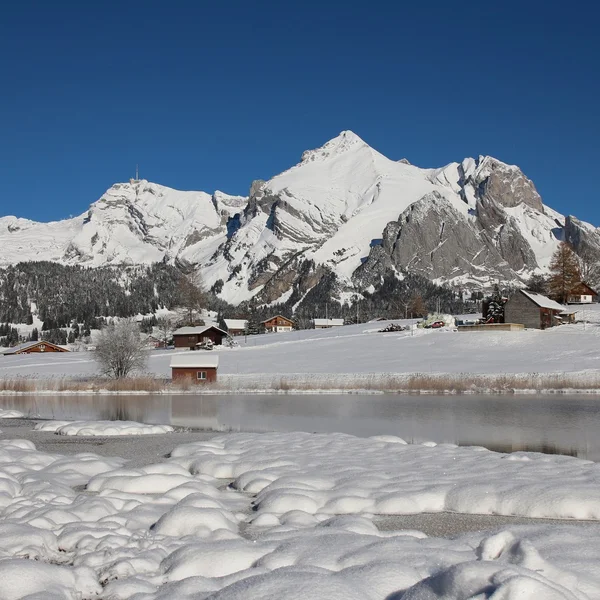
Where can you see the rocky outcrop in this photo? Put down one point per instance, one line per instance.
(583, 237)
(503, 184)
(501, 231)
(432, 238)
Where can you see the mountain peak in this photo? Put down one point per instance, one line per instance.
(344, 142)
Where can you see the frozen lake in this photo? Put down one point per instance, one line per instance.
(554, 424)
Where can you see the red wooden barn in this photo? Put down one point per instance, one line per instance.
(196, 367)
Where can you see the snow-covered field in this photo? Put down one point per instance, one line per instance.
(311, 357)
(293, 516)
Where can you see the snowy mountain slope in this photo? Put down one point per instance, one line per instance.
(22, 239)
(344, 207)
(477, 221)
(135, 222)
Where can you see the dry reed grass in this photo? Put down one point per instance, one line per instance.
(22, 385)
(130, 384)
(412, 383)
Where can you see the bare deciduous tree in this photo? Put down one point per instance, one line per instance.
(191, 295)
(165, 326)
(417, 306)
(120, 349)
(589, 267)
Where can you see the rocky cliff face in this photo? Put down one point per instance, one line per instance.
(344, 208)
(584, 238)
(504, 185)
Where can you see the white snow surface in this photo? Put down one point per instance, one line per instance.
(296, 521)
(362, 350)
(101, 428)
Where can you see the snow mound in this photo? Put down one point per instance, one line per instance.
(10, 414)
(28, 579)
(338, 474)
(292, 524)
(101, 428)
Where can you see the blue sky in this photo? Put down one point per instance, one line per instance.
(213, 95)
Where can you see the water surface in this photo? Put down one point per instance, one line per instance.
(554, 423)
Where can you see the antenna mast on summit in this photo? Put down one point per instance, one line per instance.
(137, 173)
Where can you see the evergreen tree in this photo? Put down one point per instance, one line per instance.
(493, 306)
(564, 273)
(35, 336)
(13, 337)
(537, 284)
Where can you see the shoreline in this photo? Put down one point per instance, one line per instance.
(205, 391)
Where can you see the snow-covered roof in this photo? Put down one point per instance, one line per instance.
(194, 360)
(236, 323)
(544, 302)
(328, 322)
(276, 317)
(196, 330)
(27, 345)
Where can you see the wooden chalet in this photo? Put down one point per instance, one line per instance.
(327, 323)
(535, 311)
(582, 293)
(191, 337)
(195, 367)
(236, 326)
(40, 346)
(278, 324)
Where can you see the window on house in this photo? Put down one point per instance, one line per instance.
(201, 375)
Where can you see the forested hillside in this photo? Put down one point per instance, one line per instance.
(62, 293)
(72, 300)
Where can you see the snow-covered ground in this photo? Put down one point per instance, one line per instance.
(293, 516)
(361, 351)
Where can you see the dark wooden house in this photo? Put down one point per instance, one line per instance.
(195, 367)
(236, 326)
(191, 337)
(34, 348)
(278, 324)
(534, 310)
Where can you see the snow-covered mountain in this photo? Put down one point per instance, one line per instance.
(345, 206)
